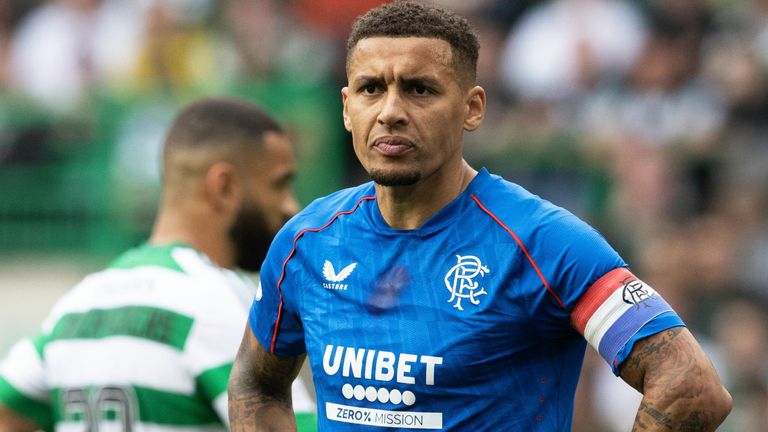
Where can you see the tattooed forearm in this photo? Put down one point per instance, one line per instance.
(654, 349)
(681, 390)
(260, 389)
(251, 415)
(698, 421)
(656, 416)
(649, 418)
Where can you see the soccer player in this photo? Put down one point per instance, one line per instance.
(148, 343)
(442, 297)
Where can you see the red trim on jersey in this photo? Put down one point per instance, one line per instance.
(290, 255)
(596, 295)
(522, 247)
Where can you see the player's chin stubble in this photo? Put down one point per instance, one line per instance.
(390, 178)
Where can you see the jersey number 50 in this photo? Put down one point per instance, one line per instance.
(97, 405)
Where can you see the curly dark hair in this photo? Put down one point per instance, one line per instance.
(411, 19)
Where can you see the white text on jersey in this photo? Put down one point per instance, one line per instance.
(378, 365)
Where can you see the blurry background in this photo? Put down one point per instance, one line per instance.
(647, 118)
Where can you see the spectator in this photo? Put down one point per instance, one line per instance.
(65, 47)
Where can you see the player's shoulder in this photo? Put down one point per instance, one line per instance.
(173, 260)
(512, 203)
(542, 225)
(323, 210)
(176, 257)
(155, 274)
(536, 221)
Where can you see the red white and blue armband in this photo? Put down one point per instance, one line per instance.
(617, 310)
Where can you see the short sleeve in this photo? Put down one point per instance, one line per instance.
(213, 339)
(212, 385)
(274, 318)
(570, 256)
(592, 286)
(22, 382)
(664, 321)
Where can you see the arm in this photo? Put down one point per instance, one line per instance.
(12, 422)
(24, 389)
(681, 390)
(260, 388)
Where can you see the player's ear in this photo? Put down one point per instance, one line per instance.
(475, 108)
(344, 97)
(222, 186)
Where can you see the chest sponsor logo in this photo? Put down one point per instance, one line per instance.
(332, 279)
(461, 280)
(390, 376)
(379, 365)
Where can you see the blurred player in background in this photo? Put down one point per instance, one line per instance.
(148, 343)
(442, 297)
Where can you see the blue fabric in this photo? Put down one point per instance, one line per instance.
(662, 322)
(629, 323)
(461, 324)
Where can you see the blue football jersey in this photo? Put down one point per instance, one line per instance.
(478, 320)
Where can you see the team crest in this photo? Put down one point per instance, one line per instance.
(460, 280)
(636, 292)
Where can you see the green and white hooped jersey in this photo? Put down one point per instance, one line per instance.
(144, 345)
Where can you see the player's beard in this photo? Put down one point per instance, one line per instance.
(394, 178)
(251, 236)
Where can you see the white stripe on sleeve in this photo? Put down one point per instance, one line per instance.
(23, 369)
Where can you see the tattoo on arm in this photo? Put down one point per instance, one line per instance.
(653, 349)
(674, 375)
(697, 421)
(260, 389)
(659, 417)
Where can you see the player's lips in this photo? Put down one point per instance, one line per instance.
(393, 145)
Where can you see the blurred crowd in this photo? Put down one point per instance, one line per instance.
(647, 118)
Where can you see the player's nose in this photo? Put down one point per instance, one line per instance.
(392, 110)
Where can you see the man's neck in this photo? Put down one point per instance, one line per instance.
(171, 227)
(408, 207)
